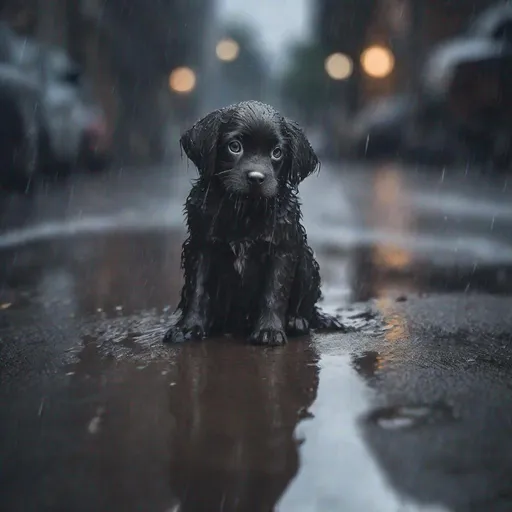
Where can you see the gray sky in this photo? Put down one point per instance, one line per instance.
(277, 22)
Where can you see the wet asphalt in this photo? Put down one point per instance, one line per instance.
(411, 410)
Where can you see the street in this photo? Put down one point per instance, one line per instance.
(408, 411)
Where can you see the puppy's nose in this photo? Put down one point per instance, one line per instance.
(255, 177)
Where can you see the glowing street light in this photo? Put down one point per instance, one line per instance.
(182, 80)
(378, 61)
(227, 50)
(338, 66)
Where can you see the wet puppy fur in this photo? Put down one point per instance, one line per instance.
(247, 264)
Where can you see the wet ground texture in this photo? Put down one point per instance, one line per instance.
(411, 410)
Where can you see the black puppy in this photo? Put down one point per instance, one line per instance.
(248, 267)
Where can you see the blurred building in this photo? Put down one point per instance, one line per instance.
(407, 28)
(129, 49)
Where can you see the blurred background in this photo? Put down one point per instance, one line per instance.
(408, 103)
(117, 81)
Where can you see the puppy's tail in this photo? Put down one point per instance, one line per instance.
(323, 322)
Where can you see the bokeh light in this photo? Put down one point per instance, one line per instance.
(182, 80)
(377, 61)
(339, 66)
(227, 50)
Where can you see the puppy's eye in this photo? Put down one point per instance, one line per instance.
(235, 147)
(277, 153)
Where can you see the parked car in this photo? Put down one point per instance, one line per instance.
(493, 23)
(20, 119)
(56, 77)
(377, 128)
(462, 111)
(73, 126)
(471, 77)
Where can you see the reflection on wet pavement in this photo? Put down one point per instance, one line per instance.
(338, 471)
(405, 412)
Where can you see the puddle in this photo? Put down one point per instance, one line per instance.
(337, 467)
(410, 416)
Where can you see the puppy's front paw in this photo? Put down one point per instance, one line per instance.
(297, 326)
(268, 337)
(182, 332)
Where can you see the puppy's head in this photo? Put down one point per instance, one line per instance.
(250, 149)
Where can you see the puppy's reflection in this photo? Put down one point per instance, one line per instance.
(236, 409)
(207, 425)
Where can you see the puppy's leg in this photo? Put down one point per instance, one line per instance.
(297, 326)
(297, 321)
(304, 294)
(194, 307)
(270, 324)
(308, 286)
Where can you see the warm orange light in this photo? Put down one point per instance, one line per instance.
(227, 50)
(338, 66)
(378, 61)
(182, 80)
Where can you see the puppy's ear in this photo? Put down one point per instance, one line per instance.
(200, 142)
(302, 159)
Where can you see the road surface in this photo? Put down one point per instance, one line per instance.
(409, 411)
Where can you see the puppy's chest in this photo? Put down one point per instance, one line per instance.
(243, 258)
(246, 240)
(241, 251)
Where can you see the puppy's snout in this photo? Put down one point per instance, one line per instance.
(255, 177)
